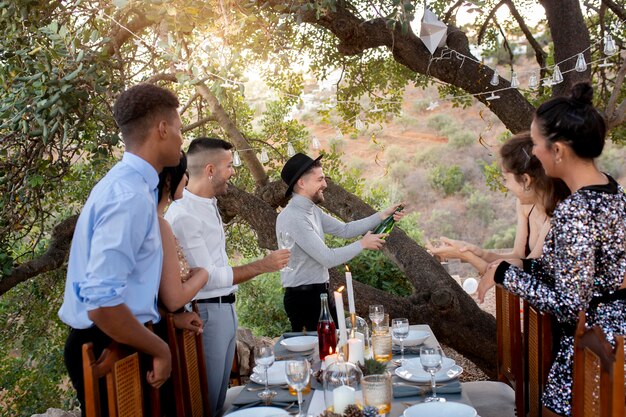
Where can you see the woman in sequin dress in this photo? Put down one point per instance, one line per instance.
(583, 261)
(537, 196)
(179, 284)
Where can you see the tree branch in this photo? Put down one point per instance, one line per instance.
(199, 123)
(123, 33)
(540, 55)
(620, 12)
(483, 28)
(616, 116)
(162, 77)
(53, 258)
(448, 15)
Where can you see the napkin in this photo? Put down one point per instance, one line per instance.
(251, 398)
(408, 350)
(404, 389)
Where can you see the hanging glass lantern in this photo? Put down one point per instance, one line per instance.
(532, 81)
(609, 45)
(581, 64)
(514, 80)
(495, 78)
(341, 381)
(338, 135)
(264, 156)
(359, 124)
(557, 76)
(290, 150)
(315, 143)
(236, 159)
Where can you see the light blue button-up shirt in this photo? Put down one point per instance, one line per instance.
(116, 255)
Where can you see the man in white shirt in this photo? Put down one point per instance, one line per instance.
(197, 225)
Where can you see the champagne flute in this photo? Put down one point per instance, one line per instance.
(400, 331)
(430, 358)
(264, 357)
(285, 241)
(298, 373)
(377, 314)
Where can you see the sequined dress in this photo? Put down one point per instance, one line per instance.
(583, 262)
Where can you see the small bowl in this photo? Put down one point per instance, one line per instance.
(299, 343)
(416, 337)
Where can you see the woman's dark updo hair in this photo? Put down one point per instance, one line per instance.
(175, 175)
(517, 157)
(574, 121)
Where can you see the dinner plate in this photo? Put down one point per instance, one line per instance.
(415, 375)
(275, 374)
(440, 409)
(415, 337)
(259, 412)
(299, 343)
(414, 365)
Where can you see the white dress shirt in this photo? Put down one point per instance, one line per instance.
(197, 225)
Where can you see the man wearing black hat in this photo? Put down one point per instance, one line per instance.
(307, 275)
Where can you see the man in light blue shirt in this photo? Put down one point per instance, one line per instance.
(115, 260)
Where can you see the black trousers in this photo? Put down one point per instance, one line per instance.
(303, 306)
(73, 356)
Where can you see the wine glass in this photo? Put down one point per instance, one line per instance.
(377, 314)
(430, 358)
(285, 241)
(264, 357)
(400, 331)
(298, 373)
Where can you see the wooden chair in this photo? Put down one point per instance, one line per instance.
(235, 375)
(538, 357)
(124, 381)
(598, 373)
(510, 365)
(188, 371)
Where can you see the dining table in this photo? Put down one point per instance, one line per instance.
(405, 393)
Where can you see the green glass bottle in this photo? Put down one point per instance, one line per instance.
(386, 225)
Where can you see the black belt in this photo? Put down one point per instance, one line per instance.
(227, 299)
(310, 287)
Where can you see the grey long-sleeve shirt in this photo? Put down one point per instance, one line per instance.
(310, 257)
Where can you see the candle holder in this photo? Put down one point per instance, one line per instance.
(341, 381)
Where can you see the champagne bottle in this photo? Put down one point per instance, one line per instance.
(386, 225)
(326, 330)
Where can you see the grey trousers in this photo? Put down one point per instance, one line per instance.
(219, 340)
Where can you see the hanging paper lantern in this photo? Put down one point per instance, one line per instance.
(290, 150)
(236, 159)
(495, 78)
(557, 76)
(264, 156)
(609, 45)
(532, 81)
(514, 80)
(581, 64)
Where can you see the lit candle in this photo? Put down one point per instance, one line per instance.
(330, 359)
(357, 350)
(341, 318)
(343, 396)
(351, 308)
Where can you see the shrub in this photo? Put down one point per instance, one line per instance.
(260, 306)
(461, 139)
(479, 207)
(447, 179)
(502, 239)
(440, 122)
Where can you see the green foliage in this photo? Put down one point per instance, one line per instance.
(440, 122)
(260, 306)
(502, 239)
(480, 207)
(493, 175)
(461, 139)
(447, 179)
(372, 367)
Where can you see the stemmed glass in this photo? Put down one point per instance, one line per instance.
(264, 357)
(431, 357)
(400, 331)
(285, 241)
(377, 314)
(298, 373)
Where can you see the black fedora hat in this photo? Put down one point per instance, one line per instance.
(294, 168)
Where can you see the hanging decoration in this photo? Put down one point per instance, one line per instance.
(609, 45)
(495, 78)
(315, 143)
(532, 81)
(264, 156)
(493, 96)
(433, 105)
(433, 32)
(359, 124)
(514, 80)
(581, 64)
(236, 159)
(290, 150)
(557, 76)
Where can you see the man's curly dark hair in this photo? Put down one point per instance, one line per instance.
(136, 108)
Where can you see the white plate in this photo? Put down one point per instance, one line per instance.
(416, 337)
(275, 374)
(415, 375)
(299, 343)
(414, 365)
(259, 412)
(436, 409)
